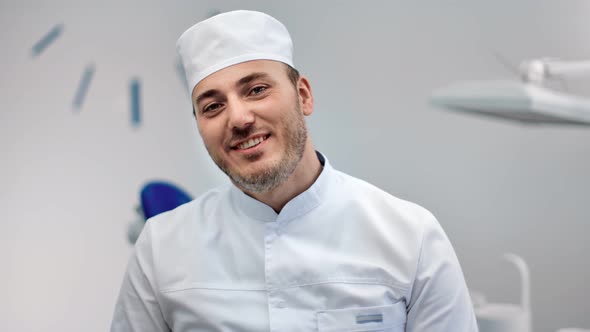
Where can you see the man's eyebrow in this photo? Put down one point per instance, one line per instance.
(249, 78)
(207, 94)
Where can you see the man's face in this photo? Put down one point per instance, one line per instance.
(250, 117)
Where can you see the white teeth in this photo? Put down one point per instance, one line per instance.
(250, 143)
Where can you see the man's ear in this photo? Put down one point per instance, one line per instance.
(305, 95)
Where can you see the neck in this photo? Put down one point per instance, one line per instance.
(304, 175)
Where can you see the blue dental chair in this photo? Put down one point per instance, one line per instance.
(159, 196)
(156, 197)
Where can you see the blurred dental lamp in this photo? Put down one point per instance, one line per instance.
(529, 100)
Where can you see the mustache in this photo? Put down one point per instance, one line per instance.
(242, 133)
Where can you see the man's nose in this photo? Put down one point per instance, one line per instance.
(241, 114)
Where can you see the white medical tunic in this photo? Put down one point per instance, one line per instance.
(342, 256)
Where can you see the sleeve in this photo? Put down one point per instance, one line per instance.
(137, 308)
(439, 300)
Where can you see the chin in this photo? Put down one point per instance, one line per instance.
(258, 168)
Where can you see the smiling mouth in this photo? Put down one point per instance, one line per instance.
(251, 143)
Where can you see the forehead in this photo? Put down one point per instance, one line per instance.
(228, 76)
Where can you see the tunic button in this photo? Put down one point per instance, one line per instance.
(281, 305)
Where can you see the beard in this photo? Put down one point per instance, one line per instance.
(273, 175)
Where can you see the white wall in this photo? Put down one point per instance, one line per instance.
(70, 180)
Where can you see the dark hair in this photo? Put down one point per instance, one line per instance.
(292, 73)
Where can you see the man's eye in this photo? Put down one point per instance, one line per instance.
(257, 90)
(211, 108)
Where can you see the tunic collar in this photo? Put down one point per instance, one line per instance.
(296, 207)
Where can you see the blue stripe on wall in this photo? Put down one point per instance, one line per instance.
(83, 87)
(49, 38)
(135, 90)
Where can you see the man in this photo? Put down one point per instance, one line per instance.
(291, 244)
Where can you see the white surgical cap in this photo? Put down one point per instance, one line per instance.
(230, 38)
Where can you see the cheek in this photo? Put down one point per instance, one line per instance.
(211, 134)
